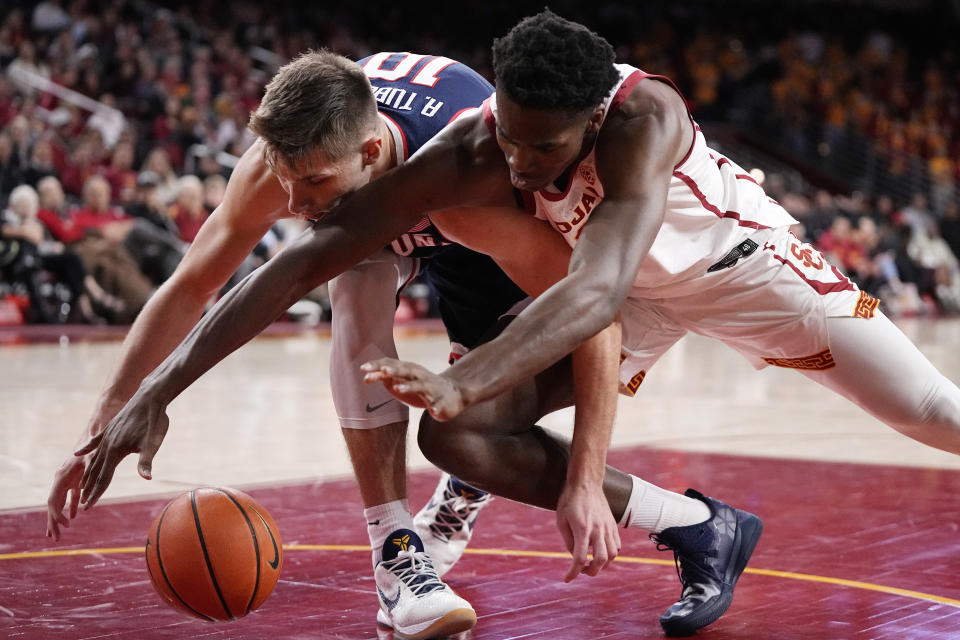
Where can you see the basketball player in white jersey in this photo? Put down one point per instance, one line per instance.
(664, 232)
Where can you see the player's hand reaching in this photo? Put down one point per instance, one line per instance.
(416, 386)
(139, 428)
(587, 526)
(66, 481)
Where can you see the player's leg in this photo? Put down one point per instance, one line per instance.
(413, 599)
(787, 306)
(879, 369)
(374, 426)
(497, 446)
(472, 294)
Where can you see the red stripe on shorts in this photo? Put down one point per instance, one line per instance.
(822, 288)
(733, 215)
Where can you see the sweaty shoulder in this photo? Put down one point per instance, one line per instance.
(653, 106)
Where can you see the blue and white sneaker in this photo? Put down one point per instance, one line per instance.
(414, 602)
(710, 557)
(446, 523)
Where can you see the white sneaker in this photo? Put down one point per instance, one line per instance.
(413, 599)
(446, 523)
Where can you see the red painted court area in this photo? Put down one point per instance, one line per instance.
(849, 551)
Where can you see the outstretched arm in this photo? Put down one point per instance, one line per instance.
(253, 201)
(445, 173)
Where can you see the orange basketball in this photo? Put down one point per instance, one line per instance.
(214, 553)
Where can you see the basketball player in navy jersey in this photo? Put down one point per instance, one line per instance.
(665, 232)
(323, 134)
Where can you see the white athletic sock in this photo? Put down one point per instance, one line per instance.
(384, 519)
(654, 509)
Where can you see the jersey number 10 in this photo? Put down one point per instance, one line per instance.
(426, 76)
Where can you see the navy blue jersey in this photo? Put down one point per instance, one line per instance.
(419, 95)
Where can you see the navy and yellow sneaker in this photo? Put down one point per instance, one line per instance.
(446, 523)
(710, 557)
(414, 602)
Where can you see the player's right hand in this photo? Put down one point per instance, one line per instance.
(139, 428)
(586, 524)
(416, 386)
(66, 481)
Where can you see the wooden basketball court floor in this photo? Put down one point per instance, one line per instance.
(862, 534)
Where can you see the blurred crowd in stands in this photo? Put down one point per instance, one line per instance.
(120, 120)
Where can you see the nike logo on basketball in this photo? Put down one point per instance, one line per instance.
(276, 552)
(377, 406)
(391, 604)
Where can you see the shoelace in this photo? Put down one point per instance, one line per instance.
(453, 514)
(691, 568)
(415, 569)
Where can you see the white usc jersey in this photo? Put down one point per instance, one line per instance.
(770, 302)
(712, 204)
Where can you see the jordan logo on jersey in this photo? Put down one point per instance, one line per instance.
(588, 174)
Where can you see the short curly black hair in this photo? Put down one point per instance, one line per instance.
(547, 62)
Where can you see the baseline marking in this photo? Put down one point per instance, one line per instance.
(789, 575)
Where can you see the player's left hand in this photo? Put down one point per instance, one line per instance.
(416, 386)
(587, 525)
(139, 428)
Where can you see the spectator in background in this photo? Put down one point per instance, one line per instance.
(158, 161)
(841, 246)
(943, 170)
(950, 226)
(41, 162)
(11, 175)
(20, 133)
(147, 204)
(188, 211)
(26, 65)
(214, 187)
(156, 251)
(821, 215)
(916, 215)
(933, 254)
(40, 254)
(871, 271)
(120, 173)
(80, 165)
(915, 275)
(109, 262)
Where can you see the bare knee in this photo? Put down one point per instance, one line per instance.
(432, 440)
(442, 443)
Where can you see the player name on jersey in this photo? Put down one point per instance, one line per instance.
(402, 100)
